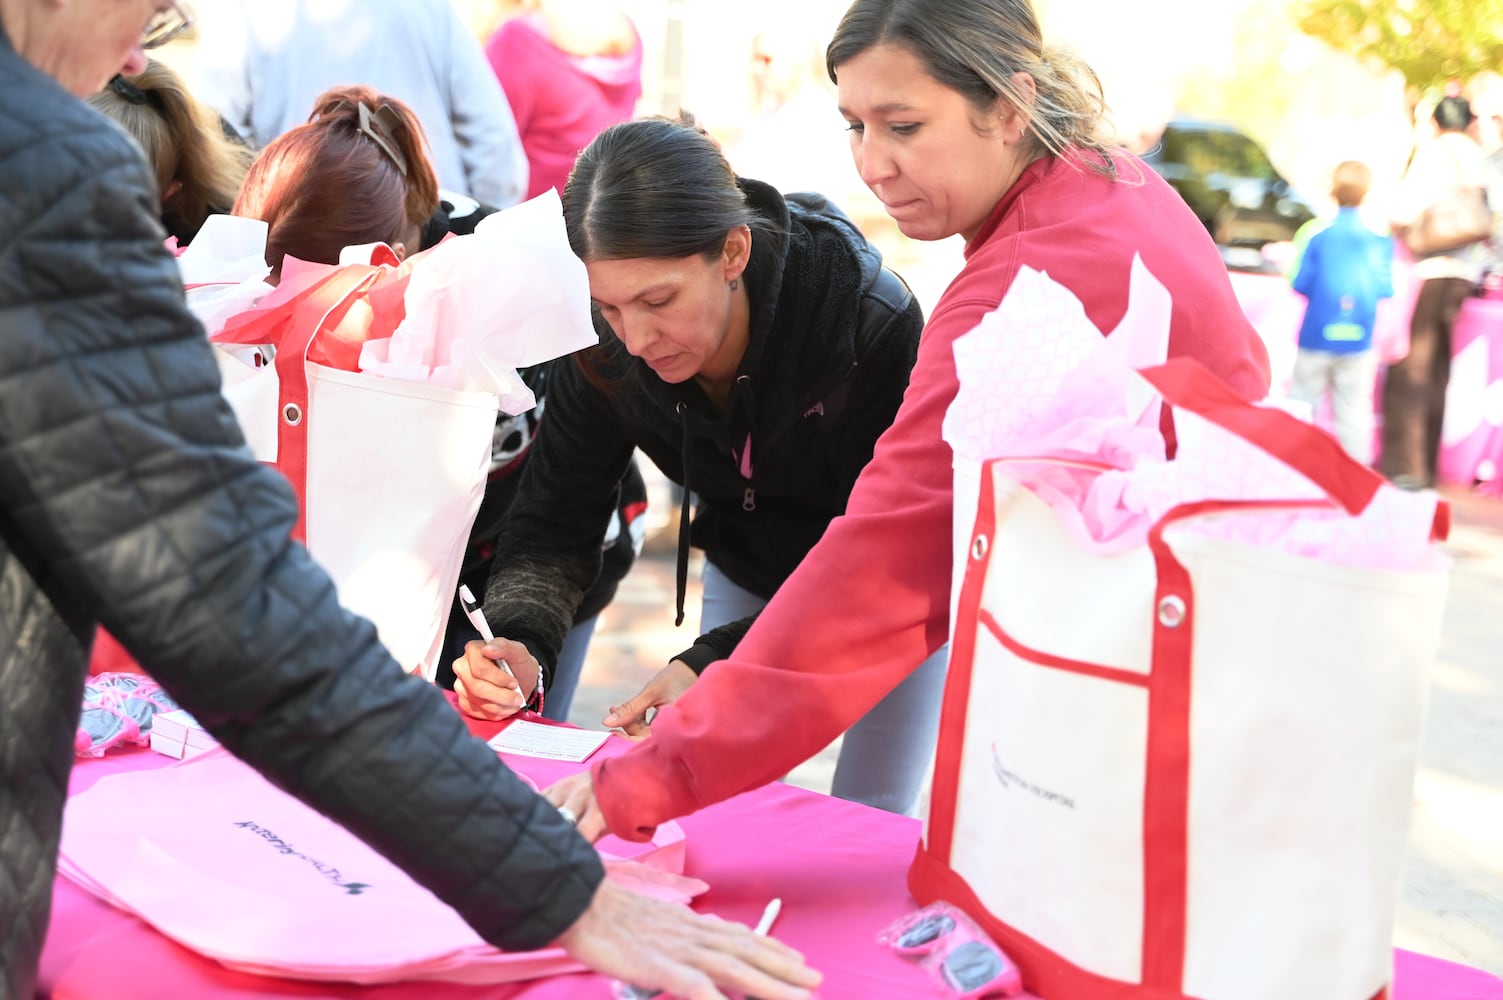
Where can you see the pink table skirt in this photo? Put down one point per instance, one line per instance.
(1471, 447)
(838, 867)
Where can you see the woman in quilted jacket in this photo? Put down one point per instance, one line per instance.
(128, 498)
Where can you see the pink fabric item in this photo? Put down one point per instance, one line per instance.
(108, 656)
(241, 872)
(1471, 441)
(560, 101)
(1038, 379)
(839, 870)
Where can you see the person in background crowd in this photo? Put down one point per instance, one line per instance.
(570, 68)
(754, 347)
(962, 121)
(792, 108)
(198, 161)
(128, 498)
(1344, 270)
(357, 172)
(263, 64)
(1414, 389)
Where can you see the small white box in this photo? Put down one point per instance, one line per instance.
(178, 734)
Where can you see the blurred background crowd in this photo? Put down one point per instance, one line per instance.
(1265, 97)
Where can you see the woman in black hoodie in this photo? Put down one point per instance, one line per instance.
(754, 347)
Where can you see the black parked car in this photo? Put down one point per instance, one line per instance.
(1230, 184)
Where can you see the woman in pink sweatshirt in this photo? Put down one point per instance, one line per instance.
(570, 69)
(962, 122)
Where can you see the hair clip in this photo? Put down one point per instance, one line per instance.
(127, 90)
(381, 125)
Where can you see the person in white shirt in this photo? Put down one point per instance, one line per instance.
(263, 62)
(1414, 389)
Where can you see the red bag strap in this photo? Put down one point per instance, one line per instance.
(318, 312)
(291, 323)
(1186, 384)
(264, 322)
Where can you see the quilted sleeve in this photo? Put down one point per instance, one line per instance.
(125, 473)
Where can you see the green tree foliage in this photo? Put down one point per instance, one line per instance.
(1428, 41)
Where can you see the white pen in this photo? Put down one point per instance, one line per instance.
(768, 916)
(625, 991)
(476, 615)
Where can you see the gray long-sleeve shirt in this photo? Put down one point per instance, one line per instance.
(261, 64)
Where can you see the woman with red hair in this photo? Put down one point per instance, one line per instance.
(356, 172)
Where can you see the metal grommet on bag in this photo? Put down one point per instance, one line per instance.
(1171, 612)
(293, 414)
(979, 545)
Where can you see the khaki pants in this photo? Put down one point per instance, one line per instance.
(1352, 381)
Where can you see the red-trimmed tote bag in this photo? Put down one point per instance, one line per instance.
(1182, 768)
(389, 474)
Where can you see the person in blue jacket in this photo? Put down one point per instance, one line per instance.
(1344, 270)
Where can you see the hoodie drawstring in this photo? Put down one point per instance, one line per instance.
(683, 518)
(749, 405)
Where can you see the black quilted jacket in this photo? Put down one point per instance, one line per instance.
(127, 498)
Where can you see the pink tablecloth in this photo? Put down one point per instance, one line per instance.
(1472, 439)
(838, 867)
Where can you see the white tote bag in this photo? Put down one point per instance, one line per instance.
(1183, 768)
(389, 474)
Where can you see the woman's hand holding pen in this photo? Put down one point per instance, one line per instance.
(495, 679)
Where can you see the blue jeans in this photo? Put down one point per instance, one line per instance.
(571, 657)
(886, 755)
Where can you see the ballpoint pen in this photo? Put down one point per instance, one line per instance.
(769, 915)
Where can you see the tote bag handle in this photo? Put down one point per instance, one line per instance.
(1186, 384)
(292, 327)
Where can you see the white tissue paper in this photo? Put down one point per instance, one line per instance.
(224, 269)
(1041, 386)
(510, 295)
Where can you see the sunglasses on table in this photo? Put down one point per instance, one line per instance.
(956, 952)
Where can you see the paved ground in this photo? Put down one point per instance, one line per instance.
(1452, 904)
